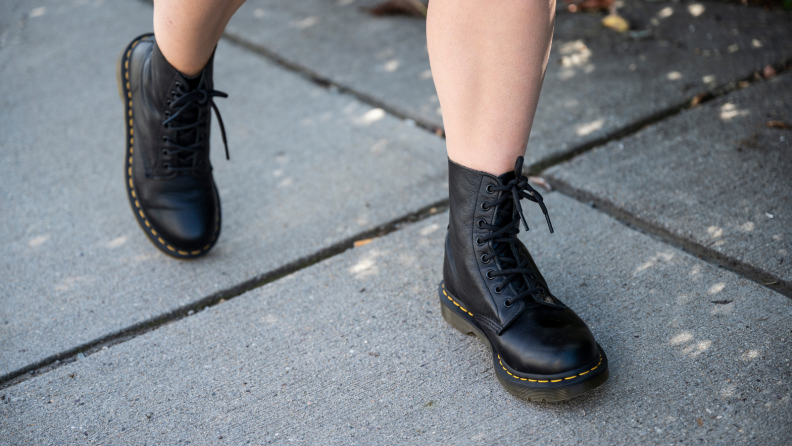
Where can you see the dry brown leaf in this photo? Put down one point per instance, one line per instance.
(700, 422)
(616, 22)
(541, 182)
(698, 98)
(779, 125)
(359, 243)
(413, 8)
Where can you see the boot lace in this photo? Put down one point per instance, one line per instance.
(504, 236)
(190, 114)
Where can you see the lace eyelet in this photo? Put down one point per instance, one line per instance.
(165, 152)
(484, 206)
(507, 303)
(489, 275)
(484, 259)
(489, 189)
(479, 242)
(167, 113)
(166, 166)
(165, 138)
(480, 222)
(178, 84)
(173, 93)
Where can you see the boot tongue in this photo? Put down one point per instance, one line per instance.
(190, 115)
(193, 82)
(501, 220)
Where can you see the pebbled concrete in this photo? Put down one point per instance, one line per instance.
(308, 169)
(597, 81)
(354, 350)
(715, 177)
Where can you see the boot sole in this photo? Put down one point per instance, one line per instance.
(122, 78)
(526, 386)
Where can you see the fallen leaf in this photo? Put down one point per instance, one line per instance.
(779, 125)
(373, 354)
(698, 98)
(768, 72)
(539, 181)
(413, 8)
(699, 421)
(359, 243)
(616, 22)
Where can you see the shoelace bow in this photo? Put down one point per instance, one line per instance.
(197, 99)
(504, 236)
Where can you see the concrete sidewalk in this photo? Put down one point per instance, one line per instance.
(283, 333)
(353, 350)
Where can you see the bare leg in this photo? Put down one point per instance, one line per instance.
(187, 31)
(488, 61)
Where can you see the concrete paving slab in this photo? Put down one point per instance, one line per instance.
(715, 177)
(353, 350)
(309, 169)
(597, 82)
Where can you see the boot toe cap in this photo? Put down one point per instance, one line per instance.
(555, 342)
(186, 229)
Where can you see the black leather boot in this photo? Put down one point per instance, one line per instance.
(542, 351)
(168, 174)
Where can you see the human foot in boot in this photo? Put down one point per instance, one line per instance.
(541, 350)
(168, 174)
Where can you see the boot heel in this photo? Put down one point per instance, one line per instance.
(119, 79)
(456, 321)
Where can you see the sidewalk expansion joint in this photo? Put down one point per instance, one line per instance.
(703, 252)
(328, 83)
(630, 129)
(57, 360)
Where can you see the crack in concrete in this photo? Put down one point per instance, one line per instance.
(52, 362)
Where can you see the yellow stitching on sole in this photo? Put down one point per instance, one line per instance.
(141, 214)
(552, 381)
(543, 381)
(195, 252)
(161, 240)
(460, 306)
(184, 253)
(153, 231)
(171, 248)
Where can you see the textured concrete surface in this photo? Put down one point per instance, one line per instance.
(717, 176)
(308, 169)
(353, 350)
(597, 82)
